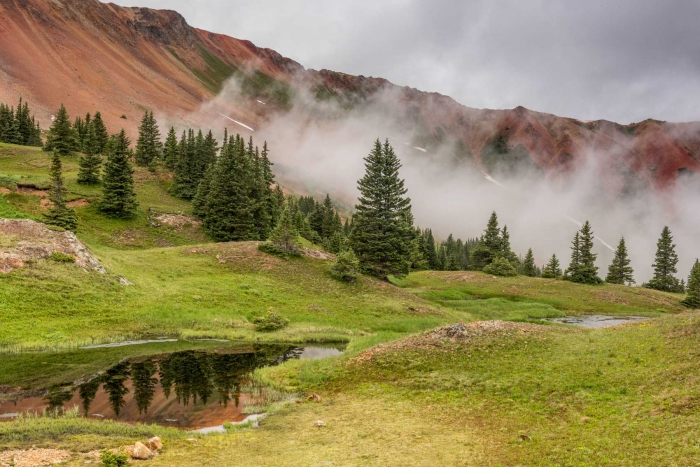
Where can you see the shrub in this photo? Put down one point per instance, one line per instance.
(112, 459)
(346, 268)
(501, 267)
(60, 257)
(276, 250)
(271, 321)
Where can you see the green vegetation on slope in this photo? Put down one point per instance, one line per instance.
(477, 292)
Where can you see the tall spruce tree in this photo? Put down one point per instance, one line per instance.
(171, 149)
(665, 264)
(552, 270)
(90, 162)
(61, 137)
(529, 268)
(620, 271)
(490, 245)
(582, 268)
(228, 211)
(148, 145)
(118, 198)
(430, 252)
(59, 213)
(693, 289)
(101, 134)
(506, 248)
(381, 237)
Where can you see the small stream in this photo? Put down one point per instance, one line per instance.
(190, 389)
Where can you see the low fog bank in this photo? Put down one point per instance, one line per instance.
(449, 195)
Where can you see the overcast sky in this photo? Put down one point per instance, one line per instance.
(620, 60)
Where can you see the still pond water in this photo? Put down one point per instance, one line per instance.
(191, 389)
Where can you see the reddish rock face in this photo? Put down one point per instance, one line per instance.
(96, 56)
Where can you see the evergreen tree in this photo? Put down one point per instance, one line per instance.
(490, 245)
(506, 249)
(61, 137)
(171, 149)
(346, 267)
(285, 235)
(381, 238)
(277, 203)
(529, 268)
(148, 145)
(261, 194)
(430, 252)
(620, 271)
(119, 198)
(90, 162)
(552, 270)
(575, 263)
(693, 289)
(316, 219)
(79, 129)
(59, 214)
(665, 264)
(330, 223)
(101, 134)
(228, 211)
(583, 269)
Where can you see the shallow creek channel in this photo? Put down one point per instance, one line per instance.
(197, 389)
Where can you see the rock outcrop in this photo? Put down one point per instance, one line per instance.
(23, 241)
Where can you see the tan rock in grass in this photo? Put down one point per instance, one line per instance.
(140, 452)
(154, 444)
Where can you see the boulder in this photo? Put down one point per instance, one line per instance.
(154, 444)
(140, 452)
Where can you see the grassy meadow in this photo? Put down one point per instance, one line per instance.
(542, 395)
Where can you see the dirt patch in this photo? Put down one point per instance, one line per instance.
(459, 332)
(36, 241)
(33, 457)
(31, 191)
(78, 203)
(318, 254)
(179, 220)
(5, 191)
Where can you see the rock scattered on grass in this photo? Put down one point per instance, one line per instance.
(320, 424)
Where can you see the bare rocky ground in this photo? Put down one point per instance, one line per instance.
(23, 241)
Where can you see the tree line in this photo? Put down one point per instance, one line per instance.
(18, 125)
(232, 189)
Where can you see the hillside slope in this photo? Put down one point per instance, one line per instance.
(96, 56)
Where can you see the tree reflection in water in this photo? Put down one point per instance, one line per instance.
(193, 376)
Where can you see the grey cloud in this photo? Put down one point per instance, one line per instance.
(620, 60)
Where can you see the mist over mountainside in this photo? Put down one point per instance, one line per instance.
(627, 179)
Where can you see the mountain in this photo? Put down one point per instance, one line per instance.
(96, 56)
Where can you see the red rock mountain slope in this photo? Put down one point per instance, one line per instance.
(97, 56)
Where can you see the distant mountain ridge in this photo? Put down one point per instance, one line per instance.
(98, 56)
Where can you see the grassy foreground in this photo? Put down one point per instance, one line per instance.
(538, 395)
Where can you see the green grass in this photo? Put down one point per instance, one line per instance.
(82, 434)
(487, 296)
